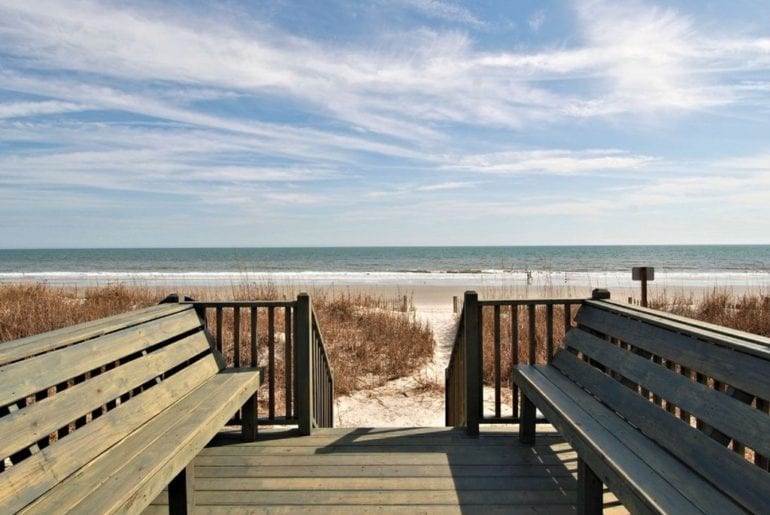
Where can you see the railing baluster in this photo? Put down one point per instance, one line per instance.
(237, 337)
(515, 356)
(254, 338)
(532, 357)
(567, 317)
(498, 385)
(549, 332)
(219, 329)
(288, 366)
(271, 362)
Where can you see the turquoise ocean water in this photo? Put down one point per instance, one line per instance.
(598, 266)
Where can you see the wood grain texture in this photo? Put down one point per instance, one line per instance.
(46, 342)
(27, 377)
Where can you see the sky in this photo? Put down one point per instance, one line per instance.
(383, 122)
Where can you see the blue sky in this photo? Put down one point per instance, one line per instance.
(388, 122)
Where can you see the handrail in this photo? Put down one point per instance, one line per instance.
(494, 336)
(297, 374)
(315, 380)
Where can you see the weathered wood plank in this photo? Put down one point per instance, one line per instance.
(66, 336)
(34, 476)
(723, 364)
(403, 498)
(132, 468)
(624, 459)
(756, 345)
(728, 415)
(224, 469)
(24, 378)
(388, 484)
(282, 456)
(46, 416)
(727, 471)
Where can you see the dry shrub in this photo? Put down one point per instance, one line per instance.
(368, 342)
(748, 312)
(27, 309)
(506, 344)
(368, 338)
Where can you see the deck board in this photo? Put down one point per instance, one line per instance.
(425, 470)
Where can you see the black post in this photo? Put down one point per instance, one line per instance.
(303, 334)
(473, 359)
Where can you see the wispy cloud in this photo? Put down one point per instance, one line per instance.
(443, 10)
(550, 162)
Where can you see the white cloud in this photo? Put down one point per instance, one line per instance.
(25, 109)
(550, 162)
(536, 20)
(444, 11)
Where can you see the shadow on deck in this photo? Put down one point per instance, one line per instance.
(356, 470)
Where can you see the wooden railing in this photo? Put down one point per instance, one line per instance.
(283, 339)
(493, 336)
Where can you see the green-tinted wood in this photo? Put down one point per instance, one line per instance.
(755, 345)
(731, 473)
(135, 470)
(356, 483)
(42, 418)
(744, 371)
(728, 415)
(26, 481)
(699, 324)
(24, 378)
(66, 336)
(403, 498)
(639, 472)
(224, 470)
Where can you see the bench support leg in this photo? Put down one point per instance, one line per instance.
(249, 420)
(589, 492)
(527, 424)
(181, 492)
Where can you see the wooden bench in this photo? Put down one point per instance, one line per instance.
(100, 417)
(670, 414)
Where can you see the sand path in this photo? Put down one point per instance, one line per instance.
(408, 401)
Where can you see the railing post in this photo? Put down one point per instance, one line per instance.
(473, 358)
(303, 334)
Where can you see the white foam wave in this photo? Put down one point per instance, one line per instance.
(491, 278)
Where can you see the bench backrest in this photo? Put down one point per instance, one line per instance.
(68, 395)
(699, 392)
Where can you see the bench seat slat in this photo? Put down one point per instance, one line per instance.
(727, 414)
(753, 346)
(24, 378)
(723, 364)
(603, 440)
(37, 474)
(26, 426)
(725, 470)
(46, 342)
(109, 483)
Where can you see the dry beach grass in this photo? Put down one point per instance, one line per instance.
(368, 337)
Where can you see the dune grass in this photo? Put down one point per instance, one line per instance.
(369, 339)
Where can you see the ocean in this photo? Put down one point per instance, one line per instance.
(594, 266)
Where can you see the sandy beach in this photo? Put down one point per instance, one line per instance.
(419, 400)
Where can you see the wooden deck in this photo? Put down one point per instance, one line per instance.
(355, 470)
